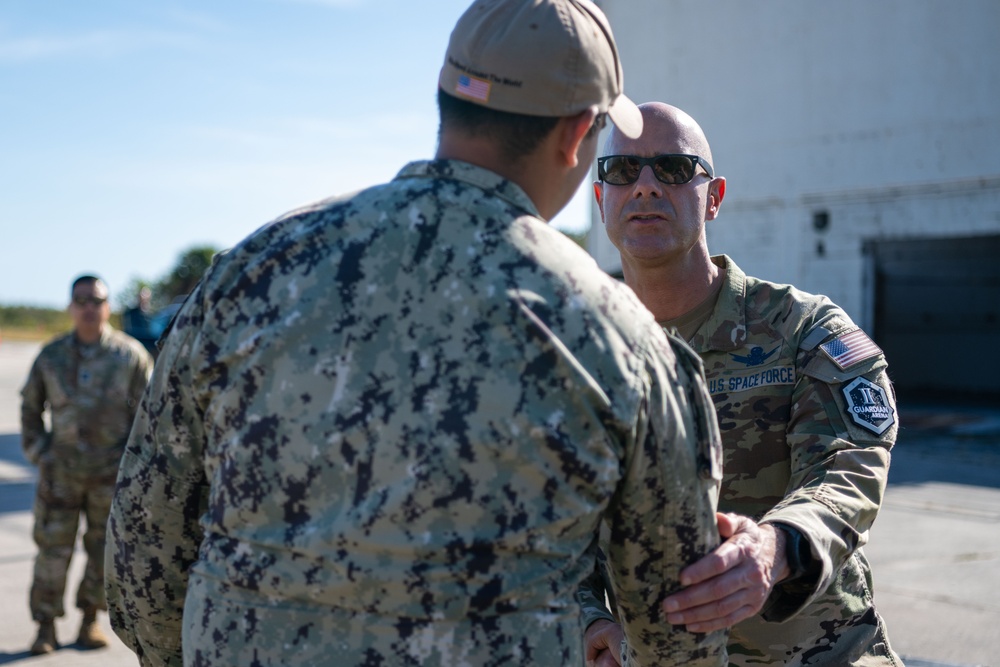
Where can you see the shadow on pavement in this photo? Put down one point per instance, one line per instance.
(10, 449)
(17, 477)
(10, 658)
(18, 497)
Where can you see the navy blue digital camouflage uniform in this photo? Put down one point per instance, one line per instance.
(384, 430)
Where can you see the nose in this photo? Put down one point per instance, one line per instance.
(647, 185)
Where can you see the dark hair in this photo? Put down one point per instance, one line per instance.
(517, 135)
(87, 278)
(600, 121)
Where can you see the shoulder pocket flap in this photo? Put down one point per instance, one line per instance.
(821, 367)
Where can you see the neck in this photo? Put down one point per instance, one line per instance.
(89, 335)
(672, 289)
(530, 173)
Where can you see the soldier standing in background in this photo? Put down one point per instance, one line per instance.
(90, 380)
(137, 321)
(385, 429)
(805, 406)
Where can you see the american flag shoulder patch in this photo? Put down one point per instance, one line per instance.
(850, 348)
(470, 86)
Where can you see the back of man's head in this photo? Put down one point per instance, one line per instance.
(513, 67)
(515, 135)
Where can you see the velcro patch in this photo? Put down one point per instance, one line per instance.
(850, 348)
(768, 377)
(868, 405)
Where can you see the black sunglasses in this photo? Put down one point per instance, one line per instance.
(92, 300)
(672, 168)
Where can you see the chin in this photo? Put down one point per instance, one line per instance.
(641, 250)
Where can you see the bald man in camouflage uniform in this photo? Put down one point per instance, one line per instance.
(806, 410)
(90, 380)
(385, 429)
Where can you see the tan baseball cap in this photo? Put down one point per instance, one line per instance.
(538, 58)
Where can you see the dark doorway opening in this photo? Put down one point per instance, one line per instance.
(937, 315)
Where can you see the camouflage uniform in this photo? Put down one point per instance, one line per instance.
(808, 417)
(383, 431)
(92, 393)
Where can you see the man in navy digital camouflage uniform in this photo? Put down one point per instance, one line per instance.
(385, 429)
(806, 411)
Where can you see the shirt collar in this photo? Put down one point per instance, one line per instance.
(726, 328)
(470, 174)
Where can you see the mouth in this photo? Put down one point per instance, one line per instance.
(646, 217)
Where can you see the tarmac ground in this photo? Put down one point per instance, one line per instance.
(934, 549)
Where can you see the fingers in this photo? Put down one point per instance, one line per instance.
(719, 611)
(603, 637)
(729, 524)
(606, 658)
(715, 622)
(728, 585)
(725, 557)
(713, 590)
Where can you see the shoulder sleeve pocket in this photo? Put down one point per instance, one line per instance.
(863, 396)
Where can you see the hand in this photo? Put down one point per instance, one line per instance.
(603, 641)
(37, 451)
(733, 582)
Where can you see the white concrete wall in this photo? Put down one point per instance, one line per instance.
(885, 114)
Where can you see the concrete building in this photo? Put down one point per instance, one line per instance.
(861, 145)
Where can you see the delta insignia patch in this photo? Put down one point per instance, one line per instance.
(868, 405)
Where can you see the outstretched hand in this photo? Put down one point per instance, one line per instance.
(733, 582)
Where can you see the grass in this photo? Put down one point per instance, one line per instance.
(32, 324)
(31, 335)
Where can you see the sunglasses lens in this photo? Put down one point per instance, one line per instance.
(84, 300)
(621, 170)
(674, 169)
(669, 169)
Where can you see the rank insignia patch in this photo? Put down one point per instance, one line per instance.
(868, 406)
(756, 357)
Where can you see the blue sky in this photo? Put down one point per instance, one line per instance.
(131, 131)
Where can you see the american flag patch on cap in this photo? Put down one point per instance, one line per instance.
(850, 348)
(470, 86)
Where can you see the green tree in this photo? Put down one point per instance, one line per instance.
(190, 267)
(129, 296)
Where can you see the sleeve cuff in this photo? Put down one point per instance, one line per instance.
(790, 595)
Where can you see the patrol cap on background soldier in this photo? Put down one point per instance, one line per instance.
(384, 429)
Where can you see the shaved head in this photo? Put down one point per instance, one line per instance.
(657, 224)
(660, 118)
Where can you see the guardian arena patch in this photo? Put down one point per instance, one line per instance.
(868, 405)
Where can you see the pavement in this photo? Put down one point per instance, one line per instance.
(934, 549)
(17, 550)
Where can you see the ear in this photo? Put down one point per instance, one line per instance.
(572, 131)
(716, 193)
(598, 193)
